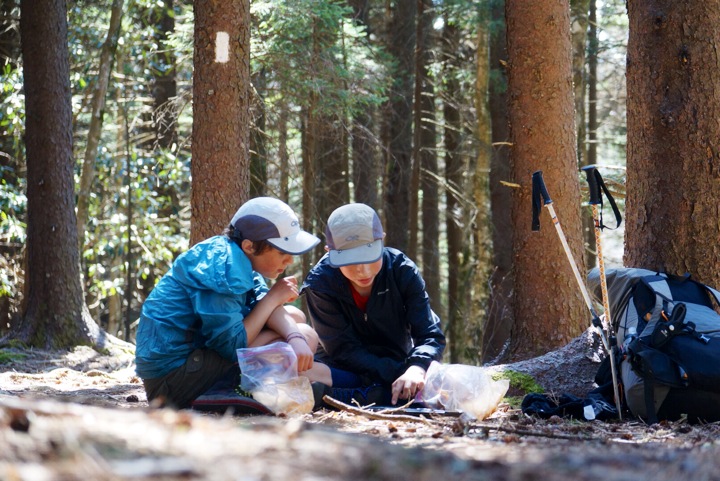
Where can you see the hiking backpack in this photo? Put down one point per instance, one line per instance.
(668, 340)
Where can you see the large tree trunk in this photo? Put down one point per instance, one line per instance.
(496, 331)
(97, 108)
(673, 140)
(549, 311)
(401, 45)
(54, 314)
(221, 116)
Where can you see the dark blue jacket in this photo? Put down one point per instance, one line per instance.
(398, 330)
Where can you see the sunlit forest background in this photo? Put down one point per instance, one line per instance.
(339, 62)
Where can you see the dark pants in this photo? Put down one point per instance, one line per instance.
(179, 388)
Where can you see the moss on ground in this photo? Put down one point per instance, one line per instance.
(520, 385)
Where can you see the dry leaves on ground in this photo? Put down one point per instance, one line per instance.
(82, 415)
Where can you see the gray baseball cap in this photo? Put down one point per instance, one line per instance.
(354, 235)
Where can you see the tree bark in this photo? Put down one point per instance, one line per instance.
(221, 116)
(548, 309)
(164, 83)
(496, 331)
(481, 258)
(673, 139)
(258, 148)
(364, 142)
(425, 149)
(579, 11)
(54, 314)
(401, 43)
(454, 173)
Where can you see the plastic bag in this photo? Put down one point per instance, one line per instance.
(459, 387)
(270, 374)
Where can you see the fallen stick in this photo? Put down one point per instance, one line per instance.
(371, 414)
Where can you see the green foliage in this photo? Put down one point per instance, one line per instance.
(520, 381)
(314, 50)
(10, 355)
(520, 385)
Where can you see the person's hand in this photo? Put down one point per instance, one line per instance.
(303, 353)
(409, 384)
(284, 290)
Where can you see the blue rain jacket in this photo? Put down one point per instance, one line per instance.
(199, 303)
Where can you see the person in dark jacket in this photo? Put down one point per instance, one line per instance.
(214, 300)
(368, 304)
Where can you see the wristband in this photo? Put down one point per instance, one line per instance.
(295, 335)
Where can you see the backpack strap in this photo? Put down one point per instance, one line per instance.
(649, 388)
(714, 293)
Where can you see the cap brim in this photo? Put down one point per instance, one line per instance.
(297, 244)
(364, 254)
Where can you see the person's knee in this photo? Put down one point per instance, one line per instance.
(296, 314)
(310, 335)
(300, 320)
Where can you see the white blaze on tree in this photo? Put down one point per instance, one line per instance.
(222, 47)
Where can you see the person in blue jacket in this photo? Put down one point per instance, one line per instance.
(369, 306)
(214, 300)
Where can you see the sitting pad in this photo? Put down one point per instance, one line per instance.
(229, 400)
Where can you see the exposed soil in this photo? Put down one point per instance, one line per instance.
(83, 415)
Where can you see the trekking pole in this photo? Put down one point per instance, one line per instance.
(595, 183)
(540, 193)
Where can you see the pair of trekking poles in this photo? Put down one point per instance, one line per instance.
(597, 188)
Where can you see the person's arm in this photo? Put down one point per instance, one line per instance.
(283, 291)
(267, 313)
(339, 341)
(428, 338)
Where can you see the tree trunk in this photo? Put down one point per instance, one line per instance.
(482, 256)
(309, 142)
(164, 83)
(579, 17)
(221, 116)
(592, 82)
(401, 43)
(454, 187)
(425, 155)
(258, 149)
(549, 310)
(365, 171)
(54, 314)
(97, 107)
(364, 143)
(283, 158)
(673, 139)
(496, 331)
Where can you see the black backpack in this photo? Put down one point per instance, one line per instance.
(668, 338)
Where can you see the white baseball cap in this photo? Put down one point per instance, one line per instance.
(272, 220)
(354, 235)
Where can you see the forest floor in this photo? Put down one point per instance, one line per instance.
(83, 415)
